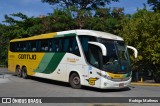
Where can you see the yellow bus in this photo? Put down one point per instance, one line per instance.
(80, 57)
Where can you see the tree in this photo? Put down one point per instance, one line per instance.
(155, 4)
(58, 20)
(22, 26)
(103, 19)
(142, 31)
(80, 4)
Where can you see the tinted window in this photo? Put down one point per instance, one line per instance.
(84, 39)
(12, 46)
(44, 45)
(18, 46)
(64, 44)
(94, 57)
(73, 46)
(69, 44)
(56, 45)
(32, 46)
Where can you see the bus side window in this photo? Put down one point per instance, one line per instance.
(18, 47)
(94, 56)
(29, 46)
(66, 45)
(50, 46)
(32, 46)
(60, 45)
(57, 48)
(73, 46)
(84, 42)
(56, 45)
(44, 45)
(24, 46)
(70, 45)
(13, 47)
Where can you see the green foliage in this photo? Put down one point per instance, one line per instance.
(80, 4)
(142, 30)
(155, 4)
(20, 15)
(102, 20)
(59, 20)
(3, 45)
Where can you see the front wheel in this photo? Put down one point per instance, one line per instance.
(74, 81)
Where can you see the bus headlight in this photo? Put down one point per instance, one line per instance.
(104, 76)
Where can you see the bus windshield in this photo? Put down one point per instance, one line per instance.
(117, 58)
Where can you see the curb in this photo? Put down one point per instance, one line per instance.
(145, 84)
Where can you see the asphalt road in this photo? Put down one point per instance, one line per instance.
(13, 86)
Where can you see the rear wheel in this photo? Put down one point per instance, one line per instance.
(24, 73)
(74, 81)
(18, 71)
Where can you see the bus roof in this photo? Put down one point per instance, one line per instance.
(77, 32)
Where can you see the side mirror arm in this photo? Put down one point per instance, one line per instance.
(103, 48)
(134, 49)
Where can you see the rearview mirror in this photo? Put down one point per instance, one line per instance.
(134, 49)
(103, 48)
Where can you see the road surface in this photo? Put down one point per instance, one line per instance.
(13, 86)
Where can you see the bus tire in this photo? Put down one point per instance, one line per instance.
(18, 71)
(24, 73)
(74, 81)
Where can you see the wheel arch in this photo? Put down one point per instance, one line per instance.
(23, 66)
(17, 66)
(79, 74)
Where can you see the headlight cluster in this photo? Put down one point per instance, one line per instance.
(104, 76)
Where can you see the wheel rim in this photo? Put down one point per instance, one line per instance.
(18, 71)
(76, 80)
(24, 74)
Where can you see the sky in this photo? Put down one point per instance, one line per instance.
(36, 7)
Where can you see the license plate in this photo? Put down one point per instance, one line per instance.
(121, 85)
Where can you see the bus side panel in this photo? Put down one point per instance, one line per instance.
(52, 66)
(29, 60)
(75, 64)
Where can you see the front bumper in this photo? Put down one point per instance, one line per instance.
(108, 84)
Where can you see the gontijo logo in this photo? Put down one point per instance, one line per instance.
(27, 56)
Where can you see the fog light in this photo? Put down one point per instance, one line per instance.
(105, 84)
